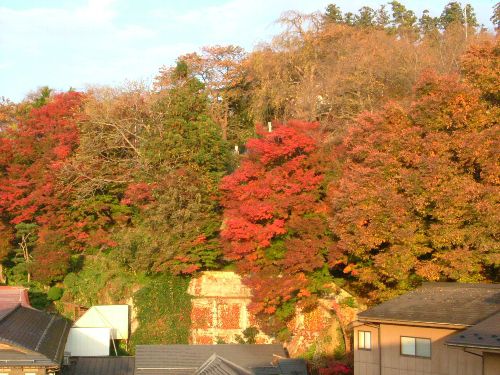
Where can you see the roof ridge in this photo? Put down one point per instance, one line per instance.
(56, 355)
(214, 357)
(42, 337)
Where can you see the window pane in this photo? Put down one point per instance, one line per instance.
(368, 340)
(361, 340)
(423, 347)
(408, 345)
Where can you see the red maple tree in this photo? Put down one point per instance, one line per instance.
(275, 225)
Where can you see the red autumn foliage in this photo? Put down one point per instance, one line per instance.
(274, 219)
(139, 194)
(33, 155)
(335, 368)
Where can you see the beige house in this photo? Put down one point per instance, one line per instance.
(439, 329)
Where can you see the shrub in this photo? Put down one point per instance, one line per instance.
(55, 293)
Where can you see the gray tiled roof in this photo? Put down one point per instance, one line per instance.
(485, 334)
(100, 366)
(42, 334)
(216, 365)
(443, 303)
(186, 359)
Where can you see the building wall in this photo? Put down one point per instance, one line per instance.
(444, 360)
(23, 370)
(219, 308)
(491, 363)
(367, 362)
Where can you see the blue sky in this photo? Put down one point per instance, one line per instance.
(75, 43)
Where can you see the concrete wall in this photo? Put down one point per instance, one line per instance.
(220, 311)
(491, 363)
(219, 308)
(444, 360)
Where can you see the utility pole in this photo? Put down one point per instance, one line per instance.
(466, 26)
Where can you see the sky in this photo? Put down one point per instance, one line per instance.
(75, 43)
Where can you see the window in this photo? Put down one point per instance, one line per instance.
(365, 340)
(415, 347)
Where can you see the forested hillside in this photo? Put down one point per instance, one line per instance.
(355, 149)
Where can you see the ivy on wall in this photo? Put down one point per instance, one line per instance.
(163, 311)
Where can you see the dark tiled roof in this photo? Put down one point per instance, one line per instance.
(6, 310)
(485, 334)
(39, 332)
(442, 303)
(216, 365)
(186, 359)
(100, 366)
(287, 366)
(292, 366)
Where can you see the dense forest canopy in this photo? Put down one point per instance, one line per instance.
(356, 149)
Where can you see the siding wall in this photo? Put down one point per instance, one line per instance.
(367, 362)
(491, 363)
(444, 360)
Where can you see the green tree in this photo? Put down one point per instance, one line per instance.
(403, 20)
(454, 14)
(333, 14)
(427, 24)
(366, 17)
(495, 17)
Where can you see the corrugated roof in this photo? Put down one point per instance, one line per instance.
(37, 331)
(100, 366)
(186, 359)
(442, 303)
(485, 334)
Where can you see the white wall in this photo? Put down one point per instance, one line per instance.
(88, 342)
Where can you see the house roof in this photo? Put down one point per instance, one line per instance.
(11, 296)
(40, 335)
(100, 366)
(440, 303)
(187, 359)
(288, 366)
(485, 334)
(217, 365)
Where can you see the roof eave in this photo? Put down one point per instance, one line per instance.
(367, 319)
(472, 346)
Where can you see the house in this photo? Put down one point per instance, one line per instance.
(431, 330)
(97, 329)
(224, 359)
(31, 341)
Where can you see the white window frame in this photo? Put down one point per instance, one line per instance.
(415, 352)
(364, 340)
